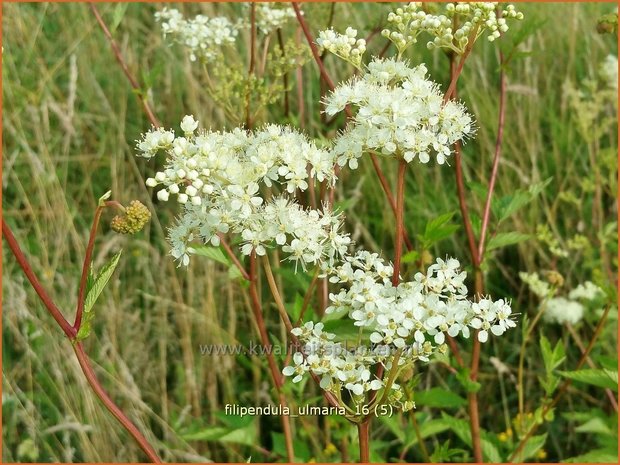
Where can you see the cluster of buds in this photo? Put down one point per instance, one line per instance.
(132, 220)
(346, 46)
(459, 24)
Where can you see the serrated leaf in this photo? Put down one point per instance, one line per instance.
(504, 239)
(510, 204)
(438, 229)
(462, 429)
(440, 398)
(84, 331)
(100, 282)
(596, 377)
(214, 253)
(532, 446)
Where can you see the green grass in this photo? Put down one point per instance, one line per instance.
(70, 121)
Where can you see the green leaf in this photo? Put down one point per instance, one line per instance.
(100, 281)
(119, 13)
(438, 229)
(552, 358)
(596, 426)
(532, 446)
(504, 239)
(509, 205)
(245, 436)
(463, 377)
(103, 198)
(84, 331)
(605, 455)
(462, 429)
(214, 253)
(410, 256)
(601, 377)
(439, 398)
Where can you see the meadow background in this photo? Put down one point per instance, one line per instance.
(70, 121)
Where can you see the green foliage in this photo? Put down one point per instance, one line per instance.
(94, 288)
(596, 377)
(438, 229)
(438, 398)
(552, 359)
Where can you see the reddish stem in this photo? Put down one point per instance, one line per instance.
(496, 157)
(109, 404)
(472, 397)
(248, 116)
(275, 372)
(233, 257)
(330, 84)
(86, 268)
(455, 73)
(400, 208)
(363, 432)
(70, 332)
(121, 61)
(388, 193)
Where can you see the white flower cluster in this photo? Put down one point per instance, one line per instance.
(562, 310)
(538, 287)
(345, 46)
(203, 36)
(413, 317)
(218, 175)
(336, 365)
(609, 71)
(407, 23)
(400, 113)
(269, 17)
(586, 291)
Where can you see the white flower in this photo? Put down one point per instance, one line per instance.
(561, 310)
(202, 36)
(400, 113)
(609, 71)
(345, 46)
(270, 16)
(587, 291)
(189, 124)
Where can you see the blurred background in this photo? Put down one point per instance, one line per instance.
(70, 122)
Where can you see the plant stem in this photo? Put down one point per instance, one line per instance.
(329, 397)
(121, 61)
(591, 364)
(330, 84)
(400, 208)
(70, 333)
(248, 113)
(285, 75)
(233, 257)
(363, 433)
(86, 267)
(388, 194)
(109, 404)
(22, 261)
(496, 157)
(275, 372)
